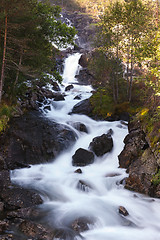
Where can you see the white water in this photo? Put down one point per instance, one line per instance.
(57, 182)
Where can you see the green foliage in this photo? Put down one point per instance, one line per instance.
(102, 103)
(5, 114)
(33, 30)
(156, 178)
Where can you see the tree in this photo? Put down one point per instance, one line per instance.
(27, 49)
(123, 28)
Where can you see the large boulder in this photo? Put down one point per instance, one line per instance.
(69, 87)
(34, 139)
(82, 157)
(85, 77)
(101, 144)
(83, 107)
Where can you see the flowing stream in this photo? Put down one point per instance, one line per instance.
(97, 201)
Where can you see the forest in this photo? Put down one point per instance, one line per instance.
(79, 119)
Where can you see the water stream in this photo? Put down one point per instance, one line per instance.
(99, 199)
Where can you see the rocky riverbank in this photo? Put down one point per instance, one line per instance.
(139, 160)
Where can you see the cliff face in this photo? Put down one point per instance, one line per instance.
(139, 158)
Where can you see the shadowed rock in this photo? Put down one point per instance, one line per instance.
(34, 139)
(83, 107)
(69, 87)
(82, 157)
(102, 144)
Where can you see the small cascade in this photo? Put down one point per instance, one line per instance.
(89, 197)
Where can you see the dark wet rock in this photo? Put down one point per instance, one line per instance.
(14, 198)
(81, 224)
(78, 170)
(55, 86)
(83, 186)
(123, 211)
(36, 231)
(78, 97)
(2, 164)
(1, 207)
(112, 175)
(102, 144)
(31, 213)
(65, 234)
(48, 108)
(82, 157)
(59, 97)
(110, 132)
(48, 93)
(33, 139)
(4, 180)
(69, 87)
(3, 226)
(83, 107)
(7, 237)
(83, 61)
(85, 77)
(80, 127)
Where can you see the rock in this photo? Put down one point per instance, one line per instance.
(3, 226)
(123, 211)
(78, 170)
(48, 93)
(83, 186)
(36, 231)
(55, 86)
(80, 127)
(7, 237)
(78, 97)
(65, 234)
(5, 181)
(1, 207)
(140, 162)
(82, 157)
(83, 61)
(31, 213)
(48, 108)
(59, 97)
(2, 164)
(81, 224)
(102, 144)
(85, 77)
(16, 197)
(135, 142)
(34, 139)
(69, 87)
(83, 107)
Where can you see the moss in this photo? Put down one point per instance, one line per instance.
(156, 178)
(5, 115)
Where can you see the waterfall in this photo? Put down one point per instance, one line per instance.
(95, 194)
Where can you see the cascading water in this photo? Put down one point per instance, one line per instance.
(98, 200)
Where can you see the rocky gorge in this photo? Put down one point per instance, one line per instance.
(34, 139)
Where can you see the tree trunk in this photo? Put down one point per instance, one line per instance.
(18, 70)
(157, 13)
(127, 71)
(131, 77)
(4, 58)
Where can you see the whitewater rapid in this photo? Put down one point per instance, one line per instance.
(103, 193)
